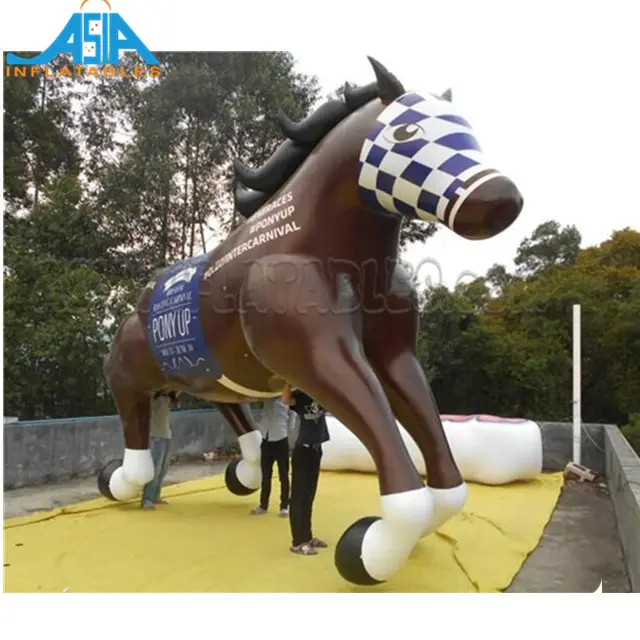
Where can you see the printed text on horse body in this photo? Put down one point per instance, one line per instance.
(175, 323)
(261, 222)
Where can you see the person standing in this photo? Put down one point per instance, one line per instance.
(305, 469)
(160, 445)
(274, 427)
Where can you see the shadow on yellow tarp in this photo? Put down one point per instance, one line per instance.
(204, 540)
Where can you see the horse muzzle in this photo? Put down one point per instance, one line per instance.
(488, 209)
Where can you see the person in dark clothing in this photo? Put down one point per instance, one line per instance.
(305, 469)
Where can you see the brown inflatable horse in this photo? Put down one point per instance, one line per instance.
(308, 291)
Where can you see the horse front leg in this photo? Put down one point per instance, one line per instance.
(394, 360)
(415, 408)
(244, 476)
(123, 479)
(319, 352)
(125, 368)
(373, 549)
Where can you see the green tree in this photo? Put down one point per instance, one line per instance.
(631, 432)
(444, 318)
(55, 302)
(19, 102)
(170, 190)
(510, 353)
(499, 278)
(39, 136)
(549, 245)
(105, 181)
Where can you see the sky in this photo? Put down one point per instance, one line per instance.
(553, 103)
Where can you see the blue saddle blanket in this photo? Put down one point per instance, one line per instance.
(174, 328)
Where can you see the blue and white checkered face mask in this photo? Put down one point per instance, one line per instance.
(421, 159)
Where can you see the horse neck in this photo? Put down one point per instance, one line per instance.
(330, 207)
(363, 235)
(337, 224)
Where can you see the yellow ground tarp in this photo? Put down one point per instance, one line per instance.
(204, 540)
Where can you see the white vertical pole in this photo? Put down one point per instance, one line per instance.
(577, 401)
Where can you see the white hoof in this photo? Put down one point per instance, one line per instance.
(447, 502)
(121, 489)
(137, 469)
(249, 474)
(248, 469)
(138, 466)
(249, 445)
(388, 542)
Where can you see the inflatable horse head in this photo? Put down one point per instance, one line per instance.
(419, 158)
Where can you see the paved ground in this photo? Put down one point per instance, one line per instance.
(579, 547)
(22, 502)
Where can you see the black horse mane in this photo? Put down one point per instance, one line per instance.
(255, 187)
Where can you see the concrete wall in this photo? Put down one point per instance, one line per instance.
(623, 475)
(47, 451)
(557, 446)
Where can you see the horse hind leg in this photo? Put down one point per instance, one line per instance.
(244, 476)
(124, 479)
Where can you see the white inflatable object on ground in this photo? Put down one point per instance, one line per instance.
(487, 449)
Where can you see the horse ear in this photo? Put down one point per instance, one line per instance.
(389, 87)
(447, 95)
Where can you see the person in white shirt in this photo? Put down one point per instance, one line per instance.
(274, 427)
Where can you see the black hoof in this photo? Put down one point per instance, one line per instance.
(233, 484)
(348, 556)
(105, 475)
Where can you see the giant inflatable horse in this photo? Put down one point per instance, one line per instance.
(308, 291)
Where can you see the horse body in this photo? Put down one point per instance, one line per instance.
(309, 291)
(325, 232)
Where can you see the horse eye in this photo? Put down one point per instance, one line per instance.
(404, 133)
